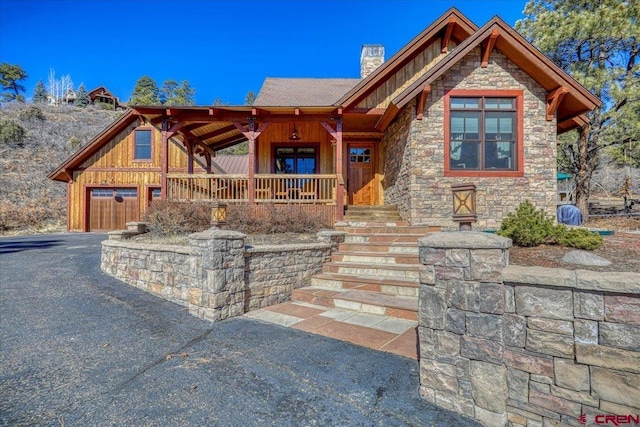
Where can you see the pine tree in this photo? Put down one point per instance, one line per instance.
(40, 93)
(10, 75)
(82, 97)
(145, 92)
(250, 98)
(167, 92)
(185, 93)
(598, 43)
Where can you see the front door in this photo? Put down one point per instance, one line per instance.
(361, 173)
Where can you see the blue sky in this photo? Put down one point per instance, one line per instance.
(224, 48)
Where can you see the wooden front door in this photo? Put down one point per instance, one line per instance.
(111, 208)
(361, 173)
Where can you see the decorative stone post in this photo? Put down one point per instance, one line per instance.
(332, 237)
(218, 265)
(461, 302)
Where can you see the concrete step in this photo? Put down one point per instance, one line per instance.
(359, 301)
(389, 286)
(410, 247)
(399, 271)
(377, 228)
(383, 238)
(366, 208)
(374, 258)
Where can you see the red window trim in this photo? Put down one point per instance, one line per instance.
(519, 96)
(133, 144)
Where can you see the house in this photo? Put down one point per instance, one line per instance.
(102, 95)
(457, 105)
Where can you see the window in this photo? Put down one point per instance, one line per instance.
(360, 155)
(142, 145)
(295, 160)
(484, 133)
(120, 192)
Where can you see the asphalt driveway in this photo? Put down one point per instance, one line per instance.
(79, 348)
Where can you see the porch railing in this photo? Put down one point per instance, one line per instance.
(269, 188)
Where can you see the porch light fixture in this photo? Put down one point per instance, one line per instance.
(294, 135)
(464, 205)
(218, 213)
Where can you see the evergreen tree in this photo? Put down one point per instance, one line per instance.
(10, 75)
(82, 97)
(167, 92)
(598, 43)
(40, 93)
(185, 93)
(173, 93)
(250, 98)
(145, 92)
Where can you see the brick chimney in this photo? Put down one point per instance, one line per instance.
(372, 57)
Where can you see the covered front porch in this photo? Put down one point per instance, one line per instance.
(314, 158)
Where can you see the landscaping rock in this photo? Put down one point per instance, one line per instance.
(585, 258)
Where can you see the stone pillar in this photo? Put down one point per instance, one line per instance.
(332, 237)
(217, 265)
(461, 303)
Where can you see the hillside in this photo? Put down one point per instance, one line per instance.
(28, 199)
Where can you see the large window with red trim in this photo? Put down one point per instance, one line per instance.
(483, 133)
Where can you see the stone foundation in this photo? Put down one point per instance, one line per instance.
(525, 346)
(216, 276)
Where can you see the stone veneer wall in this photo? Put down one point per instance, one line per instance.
(419, 171)
(216, 276)
(525, 346)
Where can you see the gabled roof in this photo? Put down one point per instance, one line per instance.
(452, 21)
(577, 101)
(302, 92)
(101, 91)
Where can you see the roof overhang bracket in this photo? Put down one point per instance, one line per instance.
(488, 47)
(251, 133)
(388, 116)
(422, 101)
(554, 98)
(444, 45)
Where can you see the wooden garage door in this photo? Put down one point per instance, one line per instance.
(112, 208)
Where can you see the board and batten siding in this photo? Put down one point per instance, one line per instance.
(113, 167)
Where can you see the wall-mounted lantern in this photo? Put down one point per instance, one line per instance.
(218, 213)
(464, 205)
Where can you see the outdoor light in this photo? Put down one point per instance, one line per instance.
(464, 205)
(294, 135)
(218, 213)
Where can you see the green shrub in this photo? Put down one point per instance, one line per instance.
(170, 218)
(32, 113)
(579, 238)
(11, 132)
(528, 226)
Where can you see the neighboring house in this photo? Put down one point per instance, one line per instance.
(458, 104)
(68, 98)
(104, 96)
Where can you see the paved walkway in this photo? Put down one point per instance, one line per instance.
(389, 334)
(79, 348)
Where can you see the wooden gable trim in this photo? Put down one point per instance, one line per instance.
(554, 99)
(486, 50)
(388, 116)
(352, 98)
(422, 101)
(517, 44)
(444, 45)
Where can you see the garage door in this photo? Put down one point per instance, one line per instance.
(112, 208)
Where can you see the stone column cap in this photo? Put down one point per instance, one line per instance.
(465, 240)
(330, 233)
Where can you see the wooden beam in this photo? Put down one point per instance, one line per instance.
(362, 135)
(486, 51)
(217, 132)
(444, 45)
(207, 158)
(296, 112)
(422, 101)
(189, 146)
(554, 98)
(164, 161)
(339, 172)
(386, 119)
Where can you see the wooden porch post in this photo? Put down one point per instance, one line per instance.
(251, 135)
(339, 171)
(189, 145)
(207, 158)
(164, 160)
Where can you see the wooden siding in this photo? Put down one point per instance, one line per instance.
(113, 167)
(405, 76)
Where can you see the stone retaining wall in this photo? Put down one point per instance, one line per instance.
(525, 346)
(216, 276)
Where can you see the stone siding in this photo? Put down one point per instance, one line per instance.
(414, 151)
(525, 346)
(216, 276)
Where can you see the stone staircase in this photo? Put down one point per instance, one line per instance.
(374, 271)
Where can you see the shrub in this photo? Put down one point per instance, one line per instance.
(528, 226)
(273, 219)
(579, 238)
(11, 132)
(170, 218)
(32, 113)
